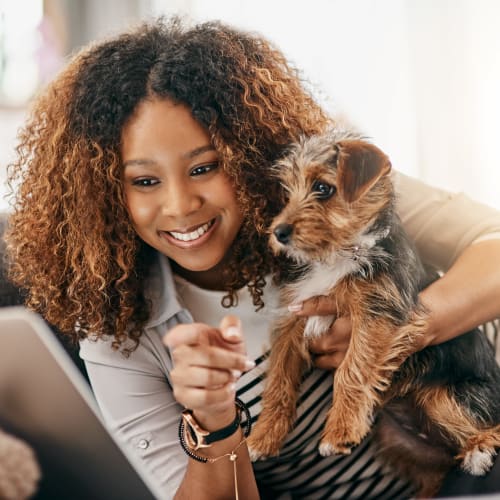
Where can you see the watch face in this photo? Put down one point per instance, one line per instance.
(194, 435)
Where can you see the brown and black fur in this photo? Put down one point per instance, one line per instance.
(431, 409)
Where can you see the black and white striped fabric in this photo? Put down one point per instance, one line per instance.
(300, 471)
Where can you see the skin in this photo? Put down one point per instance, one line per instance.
(173, 182)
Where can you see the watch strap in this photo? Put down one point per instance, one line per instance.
(196, 437)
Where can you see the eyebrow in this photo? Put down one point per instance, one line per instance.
(189, 155)
(139, 162)
(198, 151)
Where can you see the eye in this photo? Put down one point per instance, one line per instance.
(323, 190)
(145, 182)
(204, 169)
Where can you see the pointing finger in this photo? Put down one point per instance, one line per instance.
(189, 334)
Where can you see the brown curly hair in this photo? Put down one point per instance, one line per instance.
(71, 243)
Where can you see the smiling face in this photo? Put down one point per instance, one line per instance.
(180, 200)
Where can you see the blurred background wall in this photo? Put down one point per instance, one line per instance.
(420, 77)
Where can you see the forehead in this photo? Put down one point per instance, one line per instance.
(161, 125)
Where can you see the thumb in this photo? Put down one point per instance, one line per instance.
(320, 305)
(230, 326)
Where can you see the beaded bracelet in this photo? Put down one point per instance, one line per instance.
(247, 426)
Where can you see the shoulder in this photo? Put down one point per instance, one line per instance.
(150, 355)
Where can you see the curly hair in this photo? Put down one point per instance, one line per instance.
(71, 243)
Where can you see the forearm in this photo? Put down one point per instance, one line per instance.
(207, 363)
(216, 480)
(467, 295)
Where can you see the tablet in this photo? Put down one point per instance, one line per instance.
(45, 400)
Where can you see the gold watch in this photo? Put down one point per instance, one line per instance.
(196, 437)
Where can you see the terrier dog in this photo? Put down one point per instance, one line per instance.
(432, 408)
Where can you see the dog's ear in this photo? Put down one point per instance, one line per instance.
(359, 166)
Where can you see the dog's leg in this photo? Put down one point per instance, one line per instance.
(377, 349)
(477, 445)
(478, 454)
(354, 394)
(288, 360)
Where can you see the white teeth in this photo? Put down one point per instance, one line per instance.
(194, 235)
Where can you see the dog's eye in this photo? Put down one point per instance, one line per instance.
(323, 190)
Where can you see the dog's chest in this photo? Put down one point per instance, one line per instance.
(320, 279)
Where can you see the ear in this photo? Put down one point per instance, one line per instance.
(359, 166)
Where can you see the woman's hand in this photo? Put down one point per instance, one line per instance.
(330, 349)
(207, 363)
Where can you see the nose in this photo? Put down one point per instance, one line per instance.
(181, 200)
(283, 233)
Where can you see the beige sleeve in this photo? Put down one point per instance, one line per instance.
(442, 224)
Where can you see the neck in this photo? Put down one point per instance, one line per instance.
(211, 279)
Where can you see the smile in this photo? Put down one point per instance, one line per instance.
(192, 235)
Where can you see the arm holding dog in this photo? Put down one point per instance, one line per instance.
(464, 297)
(467, 295)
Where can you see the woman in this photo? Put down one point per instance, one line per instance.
(139, 228)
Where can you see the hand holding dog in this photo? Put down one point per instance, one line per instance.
(329, 350)
(207, 363)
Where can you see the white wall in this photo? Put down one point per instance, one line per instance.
(456, 44)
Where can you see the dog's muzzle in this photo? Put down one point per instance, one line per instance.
(283, 233)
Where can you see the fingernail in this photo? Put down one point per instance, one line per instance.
(295, 307)
(233, 332)
(249, 364)
(236, 374)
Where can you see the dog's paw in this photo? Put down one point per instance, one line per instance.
(259, 449)
(339, 439)
(256, 454)
(478, 461)
(327, 449)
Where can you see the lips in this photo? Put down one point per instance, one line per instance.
(194, 235)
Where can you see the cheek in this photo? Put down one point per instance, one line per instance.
(140, 212)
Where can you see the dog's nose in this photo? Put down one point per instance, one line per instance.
(283, 233)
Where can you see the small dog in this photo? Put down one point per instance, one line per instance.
(340, 230)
